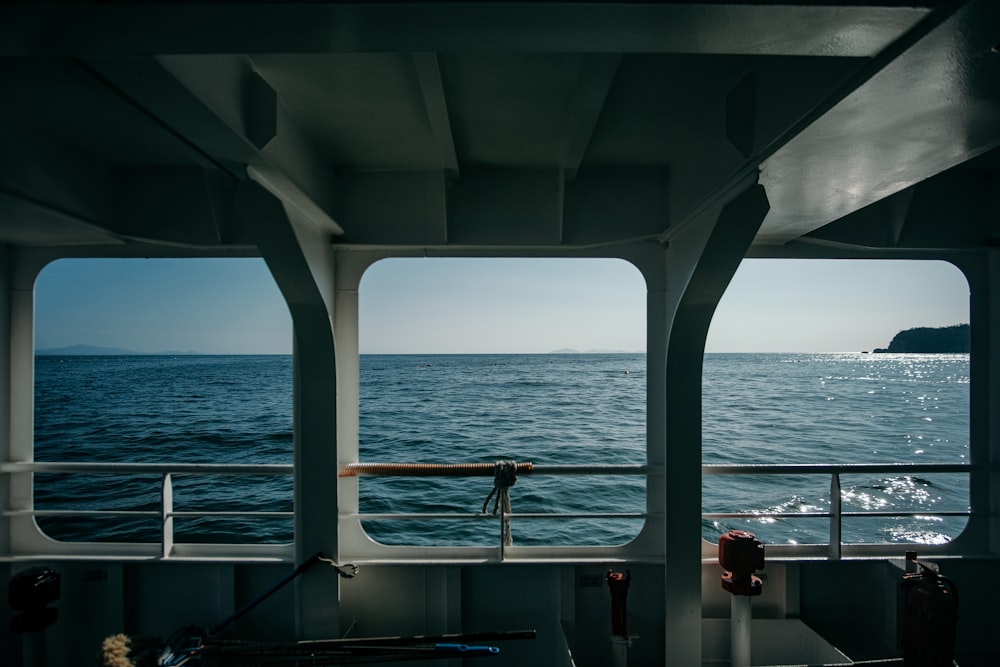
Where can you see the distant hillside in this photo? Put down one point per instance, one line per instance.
(928, 340)
(569, 350)
(84, 350)
(98, 350)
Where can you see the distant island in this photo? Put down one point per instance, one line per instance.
(98, 350)
(930, 340)
(569, 350)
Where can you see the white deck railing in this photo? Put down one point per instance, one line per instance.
(166, 512)
(836, 513)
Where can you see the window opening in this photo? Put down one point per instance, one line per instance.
(479, 360)
(160, 363)
(801, 383)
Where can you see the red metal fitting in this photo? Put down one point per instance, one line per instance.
(740, 554)
(618, 584)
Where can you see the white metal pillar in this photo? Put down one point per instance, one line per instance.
(299, 254)
(5, 394)
(700, 260)
(983, 274)
(350, 265)
(20, 270)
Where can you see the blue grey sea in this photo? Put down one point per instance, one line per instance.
(542, 408)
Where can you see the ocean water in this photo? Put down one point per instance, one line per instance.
(547, 409)
(164, 409)
(838, 409)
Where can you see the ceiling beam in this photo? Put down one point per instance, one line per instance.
(764, 157)
(152, 90)
(432, 89)
(218, 114)
(30, 222)
(935, 96)
(298, 204)
(48, 186)
(585, 105)
(132, 28)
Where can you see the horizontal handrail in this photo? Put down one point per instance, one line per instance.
(165, 471)
(840, 468)
(84, 513)
(406, 516)
(156, 513)
(232, 513)
(834, 471)
(479, 469)
(149, 468)
(827, 515)
(486, 469)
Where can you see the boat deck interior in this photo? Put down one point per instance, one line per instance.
(322, 137)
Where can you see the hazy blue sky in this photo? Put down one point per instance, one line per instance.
(489, 305)
(211, 306)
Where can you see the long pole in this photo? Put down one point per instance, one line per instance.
(486, 469)
(240, 613)
(739, 630)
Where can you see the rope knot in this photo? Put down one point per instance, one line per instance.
(504, 473)
(504, 477)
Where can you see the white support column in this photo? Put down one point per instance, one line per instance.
(350, 267)
(299, 255)
(5, 394)
(991, 415)
(700, 260)
(20, 270)
(983, 274)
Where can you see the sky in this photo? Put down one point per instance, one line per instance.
(232, 306)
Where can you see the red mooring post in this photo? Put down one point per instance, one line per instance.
(740, 555)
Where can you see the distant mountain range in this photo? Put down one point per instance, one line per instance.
(99, 350)
(568, 350)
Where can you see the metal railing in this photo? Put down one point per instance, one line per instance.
(837, 513)
(487, 470)
(166, 512)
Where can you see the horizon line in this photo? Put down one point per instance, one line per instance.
(54, 352)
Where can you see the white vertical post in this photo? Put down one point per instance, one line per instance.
(619, 651)
(701, 255)
(18, 270)
(835, 514)
(294, 238)
(33, 645)
(739, 630)
(983, 274)
(167, 516)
